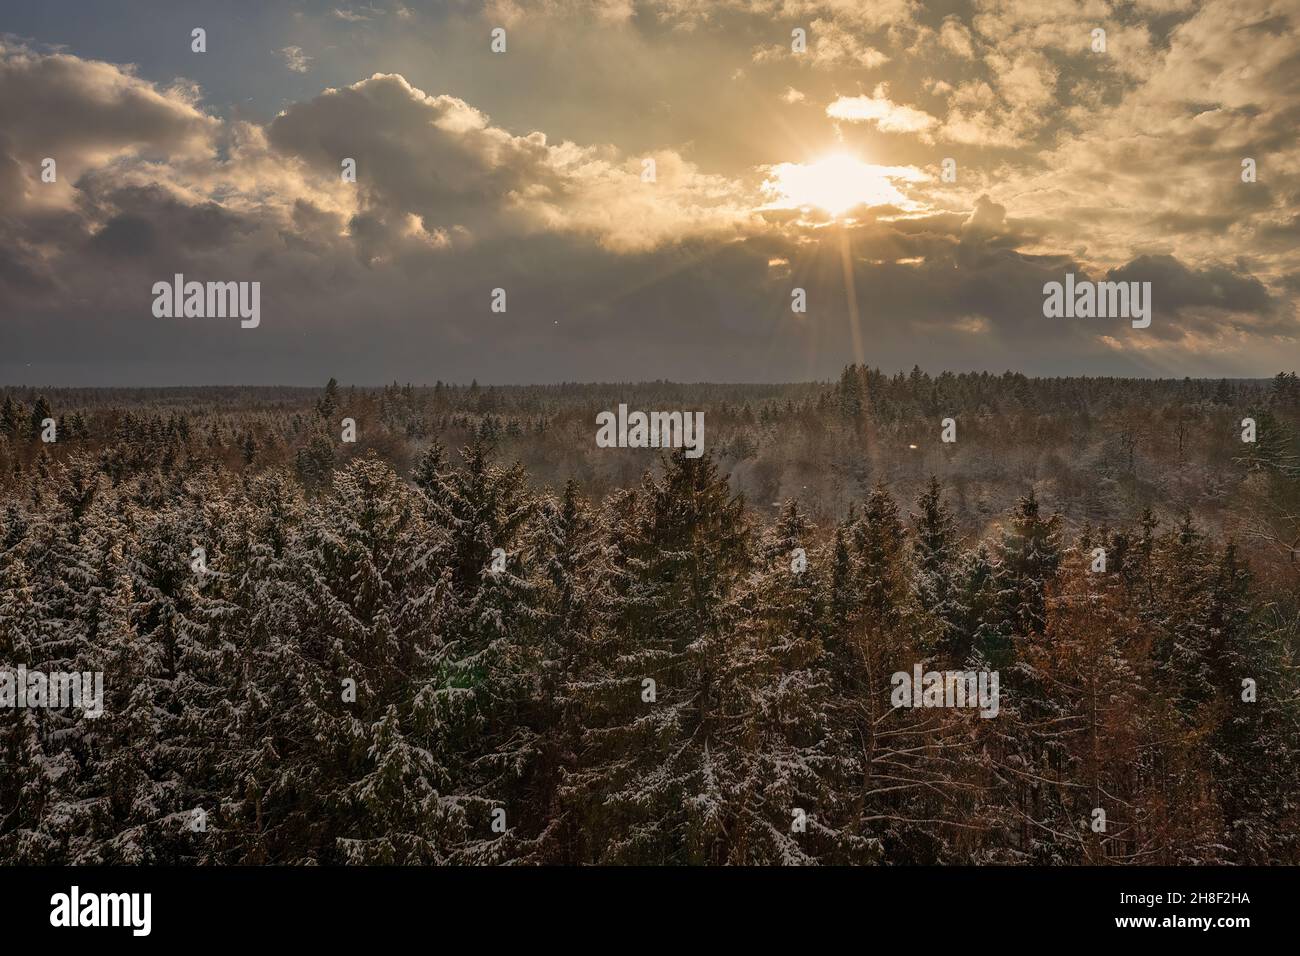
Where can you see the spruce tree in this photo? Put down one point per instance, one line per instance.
(935, 557)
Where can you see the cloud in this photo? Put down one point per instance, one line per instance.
(837, 184)
(442, 160)
(295, 59)
(354, 16)
(830, 46)
(987, 218)
(880, 111)
(1158, 171)
(1180, 287)
(1068, 163)
(956, 38)
(85, 114)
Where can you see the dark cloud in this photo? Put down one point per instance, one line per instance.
(434, 156)
(1180, 288)
(607, 277)
(83, 112)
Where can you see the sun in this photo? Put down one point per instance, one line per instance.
(834, 183)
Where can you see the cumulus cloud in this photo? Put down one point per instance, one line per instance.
(879, 110)
(85, 114)
(663, 253)
(442, 160)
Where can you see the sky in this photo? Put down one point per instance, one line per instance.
(649, 183)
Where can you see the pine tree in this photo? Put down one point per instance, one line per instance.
(564, 549)
(34, 777)
(40, 412)
(328, 404)
(679, 548)
(774, 751)
(127, 794)
(904, 769)
(1183, 641)
(1029, 554)
(10, 418)
(1255, 716)
(484, 666)
(935, 554)
(1080, 729)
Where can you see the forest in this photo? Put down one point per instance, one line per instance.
(471, 636)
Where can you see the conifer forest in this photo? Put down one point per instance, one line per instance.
(470, 636)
